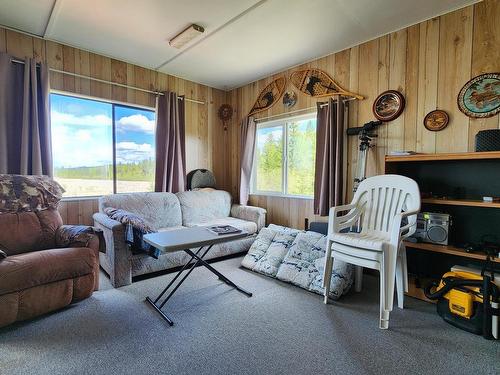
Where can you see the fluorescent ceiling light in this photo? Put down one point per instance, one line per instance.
(186, 35)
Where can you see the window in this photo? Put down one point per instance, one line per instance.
(285, 154)
(101, 148)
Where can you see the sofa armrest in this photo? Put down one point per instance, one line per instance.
(80, 236)
(250, 213)
(117, 251)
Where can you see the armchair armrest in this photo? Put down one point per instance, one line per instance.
(405, 231)
(80, 236)
(250, 213)
(336, 223)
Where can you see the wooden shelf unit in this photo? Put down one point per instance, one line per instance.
(444, 156)
(447, 249)
(461, 202)
(471, 175)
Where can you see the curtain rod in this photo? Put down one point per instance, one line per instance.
(285, 114)
(112, 83)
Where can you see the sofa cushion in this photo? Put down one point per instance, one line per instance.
(248, 226)
(23, 271)
(204, 206)
(159, 210)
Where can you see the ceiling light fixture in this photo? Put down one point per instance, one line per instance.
(186, 35)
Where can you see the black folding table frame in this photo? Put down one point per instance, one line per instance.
(191, 265)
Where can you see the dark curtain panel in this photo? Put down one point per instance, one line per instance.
(247, 149)
(328, 179)
(170, 144)
(25, 140)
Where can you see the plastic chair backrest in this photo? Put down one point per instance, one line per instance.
(381, 198)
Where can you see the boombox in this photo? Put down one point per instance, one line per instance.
(433, 228)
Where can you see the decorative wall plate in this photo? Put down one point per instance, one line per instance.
(269, 96)
(289, 99)
(436, 120)
(317, 83)
(388, 105)
(225, 114)
(480, 97)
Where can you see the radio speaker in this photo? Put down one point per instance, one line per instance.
(488, 140)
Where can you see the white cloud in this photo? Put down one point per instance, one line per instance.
(137, 123)
(61, 119)
(131, 152)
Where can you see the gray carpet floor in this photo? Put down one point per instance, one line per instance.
(282, 329)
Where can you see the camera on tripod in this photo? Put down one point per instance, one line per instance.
(365, 134)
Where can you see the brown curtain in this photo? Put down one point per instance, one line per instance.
(170, 144)
(25, 140)
(328, 179)
(247, 147)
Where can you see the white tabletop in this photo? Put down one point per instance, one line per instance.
(187, 238)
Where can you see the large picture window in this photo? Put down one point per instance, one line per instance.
(101, 148)
(284, 157)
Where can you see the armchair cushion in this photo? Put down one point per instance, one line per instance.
(23, 271)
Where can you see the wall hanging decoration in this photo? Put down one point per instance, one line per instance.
(289, 99)
(225, 114)
(317, 83)
(436, 120)
(388, 105)
(480, 97)
(269, 96)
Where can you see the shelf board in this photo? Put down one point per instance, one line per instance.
(447, 249)
(461, 202)
(443, 156)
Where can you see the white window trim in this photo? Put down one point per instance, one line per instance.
(284, 178)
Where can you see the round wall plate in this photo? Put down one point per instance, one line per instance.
(480, 97)
(436, 120)
(388, 105)
(289, 99)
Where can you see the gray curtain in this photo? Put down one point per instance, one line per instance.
(170, 144)
(328, 179)
(247, 147)
(25, 140)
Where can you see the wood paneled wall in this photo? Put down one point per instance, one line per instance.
(428, 62)
(204, 131)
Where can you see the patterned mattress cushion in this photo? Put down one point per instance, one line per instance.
(269, 249)
(304, 266)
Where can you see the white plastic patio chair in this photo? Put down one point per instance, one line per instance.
(379, 206)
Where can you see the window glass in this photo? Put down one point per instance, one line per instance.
(82, 145)
(301, 157)
(269, 159)
(291, 175)
(135, 149)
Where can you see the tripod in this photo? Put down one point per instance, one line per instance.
(365, 139)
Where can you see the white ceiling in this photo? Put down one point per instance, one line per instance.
(244, 40)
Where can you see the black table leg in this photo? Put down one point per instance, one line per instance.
(198, 256)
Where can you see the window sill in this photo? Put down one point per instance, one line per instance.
(278, 195)
(85, 198)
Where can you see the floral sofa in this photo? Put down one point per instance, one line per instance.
(167, 211)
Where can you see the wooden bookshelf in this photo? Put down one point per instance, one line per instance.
(443, 156)
(447, 249)
(461, 202)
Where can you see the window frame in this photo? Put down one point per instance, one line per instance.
(284, 166)
(112, 103)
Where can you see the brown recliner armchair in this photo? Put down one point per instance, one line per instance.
(44, 265)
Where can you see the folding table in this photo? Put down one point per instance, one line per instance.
(186, 239)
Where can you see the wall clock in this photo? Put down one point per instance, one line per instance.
(480, 97)
(388, 105)
(436, 120)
